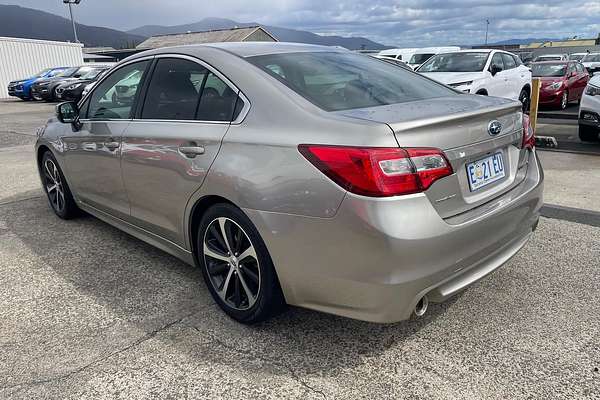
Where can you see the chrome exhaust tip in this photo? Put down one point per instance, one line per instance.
(421, 307)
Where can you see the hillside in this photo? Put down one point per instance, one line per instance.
(16, 21)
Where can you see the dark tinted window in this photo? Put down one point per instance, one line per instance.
(341, 81)
(509, 61)
(174, 90)
(497, 62)
(115, 96)
(218, 100)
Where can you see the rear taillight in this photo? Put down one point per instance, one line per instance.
(528, 134)
(379, 171)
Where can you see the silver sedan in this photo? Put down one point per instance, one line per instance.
(301, 175)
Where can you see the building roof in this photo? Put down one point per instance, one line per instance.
(560, 43)
(214, 36)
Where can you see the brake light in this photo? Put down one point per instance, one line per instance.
(379, 171)
(528, 134)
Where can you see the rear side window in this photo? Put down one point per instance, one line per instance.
(509, 61)
(337, 81)
(174, 90)
(218, 101)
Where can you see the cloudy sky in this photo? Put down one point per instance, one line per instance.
(405, 23)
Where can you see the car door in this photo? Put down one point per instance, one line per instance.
(497, 84)
(581, 80)
(93, 155)
(169, 147)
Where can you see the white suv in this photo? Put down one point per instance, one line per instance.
(589, 111)
(592, 63)
(486, 72)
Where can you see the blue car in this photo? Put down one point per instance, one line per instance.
(22, 88)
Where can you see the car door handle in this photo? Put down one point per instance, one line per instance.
(112, 146)
(191, 151)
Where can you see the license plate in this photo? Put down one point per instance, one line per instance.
(485, 171)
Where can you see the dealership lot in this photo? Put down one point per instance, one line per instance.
(90, 312)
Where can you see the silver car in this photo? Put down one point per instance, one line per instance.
(589, 112)
(301, 175)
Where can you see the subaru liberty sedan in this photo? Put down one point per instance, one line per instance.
(301, 175)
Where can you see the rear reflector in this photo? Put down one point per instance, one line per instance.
(528, 133)
(379, 171)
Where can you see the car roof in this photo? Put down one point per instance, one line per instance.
(248, 49)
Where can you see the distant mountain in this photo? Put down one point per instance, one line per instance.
(16, 21)
(282, 34)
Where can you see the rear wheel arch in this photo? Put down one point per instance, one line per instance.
(40, 155)
(196, 214)
(482, 92)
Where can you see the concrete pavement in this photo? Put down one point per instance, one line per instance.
(89, 312)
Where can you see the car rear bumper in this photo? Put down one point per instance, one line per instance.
(376, 258)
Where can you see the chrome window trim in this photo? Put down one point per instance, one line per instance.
(240, 118)
(227, 81)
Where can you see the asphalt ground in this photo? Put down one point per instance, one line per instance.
(89, 312)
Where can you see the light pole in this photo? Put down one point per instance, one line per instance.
(487, 25)
(70, 3)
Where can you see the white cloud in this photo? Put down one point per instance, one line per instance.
(393, 22)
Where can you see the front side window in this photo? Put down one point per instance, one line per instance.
(509, 61)
(456, 62)
(174, 90)
(115, 96)
(420, 58)
(337, 81)
(497, 62)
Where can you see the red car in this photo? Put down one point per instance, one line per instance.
(562, 82)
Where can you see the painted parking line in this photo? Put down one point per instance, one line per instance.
(579, 215)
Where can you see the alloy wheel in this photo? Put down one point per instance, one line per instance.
(231, 263)
(564, 100)
(524, 98)
(54, 186)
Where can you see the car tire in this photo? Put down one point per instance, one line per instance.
(525, 100)
(564, 100)
(588, 133)
(56, 188)
(36, 97)
(246, 288)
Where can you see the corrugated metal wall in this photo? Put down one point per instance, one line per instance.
(21, 58)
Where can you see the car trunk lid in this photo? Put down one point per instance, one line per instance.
(460, 126)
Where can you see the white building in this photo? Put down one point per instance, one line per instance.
(21, 58)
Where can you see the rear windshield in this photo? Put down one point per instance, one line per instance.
(456, 62)
(548, 69)
(344, 81)
(576, 57)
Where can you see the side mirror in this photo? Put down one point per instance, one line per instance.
(494, 69)
(67, 112)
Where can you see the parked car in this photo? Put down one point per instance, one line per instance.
(22, 87)
(73, 89)
(592, 63)
(577, 56)
(589, 112)
(562, 82)
(403, 55)
(484, 72)
(45, 89)
(300, 174)
(424, 54)
(551, 57)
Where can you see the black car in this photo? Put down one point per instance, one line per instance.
(45, 89)
(72, 90)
